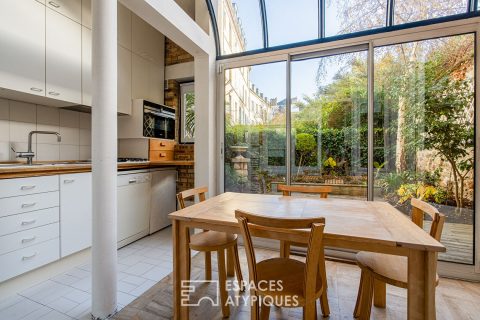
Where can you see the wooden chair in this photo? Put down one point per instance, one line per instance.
(209, 241)
(287, 190)
(379, 269)
(300, 280)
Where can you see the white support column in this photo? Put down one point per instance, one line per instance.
(104, 158)
(205, 123)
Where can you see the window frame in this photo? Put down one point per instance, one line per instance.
(421, 31)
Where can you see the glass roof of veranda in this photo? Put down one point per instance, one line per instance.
(244, 27)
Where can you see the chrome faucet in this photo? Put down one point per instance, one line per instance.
(30, 154)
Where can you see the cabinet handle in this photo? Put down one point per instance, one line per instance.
(53, 93)
(68, 181)
(26, 240)
(53, 4)
(27, 187)
(28, 205)
(26, 223)
(162, 144)
(29, 257)
(162, 155)
(36, 89)
(132, 181)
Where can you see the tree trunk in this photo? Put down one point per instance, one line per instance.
(400, 152)
(455, 178)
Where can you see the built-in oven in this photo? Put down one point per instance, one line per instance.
(158, 121)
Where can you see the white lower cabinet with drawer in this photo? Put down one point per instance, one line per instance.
(31, 202)
(27, 238)
(23, 186)
(20, 261)
(28, 220)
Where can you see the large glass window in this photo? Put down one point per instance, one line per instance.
(255, 128)
(329, 123)
(414, 10)
(424, 132)
(348, 16)
(291, 21)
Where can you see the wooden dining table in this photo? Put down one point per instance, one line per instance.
(349, 224)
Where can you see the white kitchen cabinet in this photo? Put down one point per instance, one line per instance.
(124, 80)
(147, 42)
(133, 206)
(147, 80)
(124, 27)
(22, 43)
(63, 58)
(75, 212)
(163, 198)
(86, 66)
(69, 8)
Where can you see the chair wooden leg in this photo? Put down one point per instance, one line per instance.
(324, 304)
(208, 265)
(379, 293)
(238, 269)
(284, 249)
(222, 280)
(230, 263)
(310, 311)
(357, 311)
(264, 312)
(189, 264)
(367, 297)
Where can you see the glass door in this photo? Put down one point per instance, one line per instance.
(329, 133)
(424, 133)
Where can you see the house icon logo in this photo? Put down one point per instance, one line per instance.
(189, 298)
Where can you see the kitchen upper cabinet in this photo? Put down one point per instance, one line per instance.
(75, 212)
(22, 43)
(147, 42)
(147, 79)
(87, 13)
(86, 66)
(124, 27)
(124, 80)
(63, 58)
(69, 8)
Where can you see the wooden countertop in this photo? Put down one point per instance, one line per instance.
(46, 169)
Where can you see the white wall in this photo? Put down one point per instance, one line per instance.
(17, 119)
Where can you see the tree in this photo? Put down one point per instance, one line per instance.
(190, 114)
(305, 144)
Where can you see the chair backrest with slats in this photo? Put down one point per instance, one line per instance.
(181, 196)
(315, 251)
(421, 208)
(287, 190)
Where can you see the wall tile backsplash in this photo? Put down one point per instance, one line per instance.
(17, 119)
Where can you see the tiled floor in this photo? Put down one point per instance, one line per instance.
(68, 296)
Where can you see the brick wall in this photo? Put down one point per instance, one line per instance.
(186, 174)
(175, 54)
(172, 99)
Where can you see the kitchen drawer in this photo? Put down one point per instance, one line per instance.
(23, 186)
(161, 155)
(29, 220)
(156, 144)
(26, 259)
(31, 202)
(27, 238)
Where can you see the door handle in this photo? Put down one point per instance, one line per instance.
(53, 93)
(28, 205)
(68, 181)
(36, 89)
(27, 187)
(53, 4)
